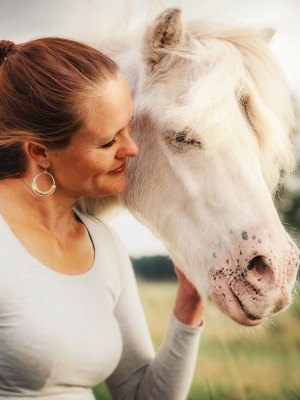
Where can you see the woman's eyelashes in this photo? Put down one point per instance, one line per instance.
(109, 144)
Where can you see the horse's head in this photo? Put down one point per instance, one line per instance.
(213, 117)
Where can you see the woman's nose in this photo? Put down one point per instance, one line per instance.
(128, 148)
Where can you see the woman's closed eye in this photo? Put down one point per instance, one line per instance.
(112, 142)
(109, 144)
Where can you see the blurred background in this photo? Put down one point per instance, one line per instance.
(234, 363)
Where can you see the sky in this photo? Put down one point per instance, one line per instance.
(21, 20)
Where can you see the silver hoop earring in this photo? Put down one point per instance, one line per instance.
(40, 192)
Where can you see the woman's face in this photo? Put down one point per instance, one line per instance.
(93, 164)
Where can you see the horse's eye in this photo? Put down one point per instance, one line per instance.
(243, 101)
(182, 140)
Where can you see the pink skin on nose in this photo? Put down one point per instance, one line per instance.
(254, 278)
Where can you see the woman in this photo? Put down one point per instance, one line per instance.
(70, 316)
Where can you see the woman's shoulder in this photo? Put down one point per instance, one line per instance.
(95, 223)
(102, 230)
(6, 236)
(107, 243)
(11, 251)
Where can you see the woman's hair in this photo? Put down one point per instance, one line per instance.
(42, 83)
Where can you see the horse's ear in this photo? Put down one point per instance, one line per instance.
(268, 34)
(167, 31)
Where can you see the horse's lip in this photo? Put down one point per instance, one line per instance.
(251, 320)
(251, 317)
(230, 304)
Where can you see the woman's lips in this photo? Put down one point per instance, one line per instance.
(118, 170)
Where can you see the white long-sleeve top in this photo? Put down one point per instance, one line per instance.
(60, 335)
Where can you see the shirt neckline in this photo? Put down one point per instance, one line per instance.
(84, 219)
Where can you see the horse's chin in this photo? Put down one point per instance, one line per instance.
(229, 304)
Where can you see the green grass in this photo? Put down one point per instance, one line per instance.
(234, 363)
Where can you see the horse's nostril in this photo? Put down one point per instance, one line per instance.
(260, 271)
(258, 263)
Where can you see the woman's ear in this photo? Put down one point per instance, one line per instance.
(37, 153)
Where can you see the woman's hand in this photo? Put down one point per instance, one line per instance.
(189, 305)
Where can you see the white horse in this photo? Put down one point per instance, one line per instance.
(212, 121)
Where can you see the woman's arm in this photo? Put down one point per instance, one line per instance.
(167, 375)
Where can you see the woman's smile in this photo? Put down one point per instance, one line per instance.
(118, 170)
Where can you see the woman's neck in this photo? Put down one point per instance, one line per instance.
(20, 205)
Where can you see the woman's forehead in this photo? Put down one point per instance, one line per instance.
(105, 109)
(109, 103)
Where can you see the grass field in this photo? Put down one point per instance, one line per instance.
(234, 363)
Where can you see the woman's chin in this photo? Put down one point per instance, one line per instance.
(114, 190)
(114, 187)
